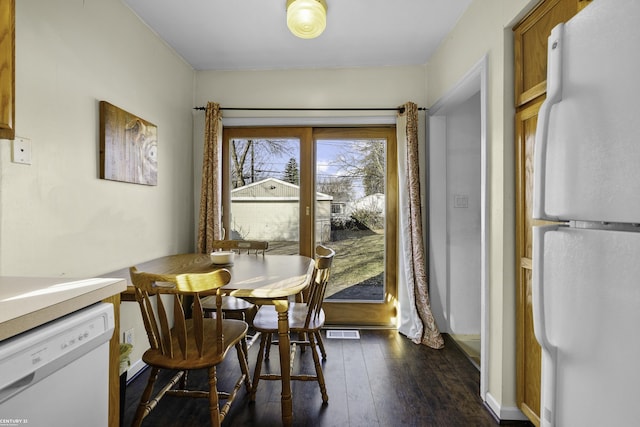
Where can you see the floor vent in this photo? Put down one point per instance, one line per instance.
(344, 335)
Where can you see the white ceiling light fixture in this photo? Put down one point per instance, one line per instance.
(306, 19)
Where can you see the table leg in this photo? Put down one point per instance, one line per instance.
(282, 307)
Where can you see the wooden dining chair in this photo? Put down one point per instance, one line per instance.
(232, 307)
(195, 343)
(305, 295)
(305, 321)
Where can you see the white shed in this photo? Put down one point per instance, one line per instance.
(269, 210)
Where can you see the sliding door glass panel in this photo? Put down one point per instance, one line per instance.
(265, 192)
(350, 215)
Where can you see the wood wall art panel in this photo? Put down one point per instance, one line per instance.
(128, 147)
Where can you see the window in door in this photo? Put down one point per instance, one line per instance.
(350, 211)
(263, 187)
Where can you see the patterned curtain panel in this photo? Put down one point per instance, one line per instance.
(416, 321)
(209, 225)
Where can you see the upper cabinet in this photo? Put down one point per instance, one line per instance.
(530, 40)
(583, 3)
(7, 70)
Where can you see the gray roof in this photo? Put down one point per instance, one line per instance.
(271, 189)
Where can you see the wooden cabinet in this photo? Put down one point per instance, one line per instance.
(530, 43)
(7, 69)
(528, 350)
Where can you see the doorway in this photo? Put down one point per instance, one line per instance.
(462, 183)
(458, 220)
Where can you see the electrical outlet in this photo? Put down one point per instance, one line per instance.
(21, 151)
(128, 336)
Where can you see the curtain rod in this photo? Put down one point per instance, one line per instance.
(399, 109)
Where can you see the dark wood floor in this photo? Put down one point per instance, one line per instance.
(383, 379)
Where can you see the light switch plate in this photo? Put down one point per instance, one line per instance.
(21, 151)
(460, 201)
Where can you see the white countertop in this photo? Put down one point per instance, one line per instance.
(27, 302)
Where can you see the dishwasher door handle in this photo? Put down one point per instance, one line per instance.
(17, 386)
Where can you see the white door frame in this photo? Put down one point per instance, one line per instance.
(473, 81)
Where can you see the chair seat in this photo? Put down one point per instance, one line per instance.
(266, 319)
(233, 331)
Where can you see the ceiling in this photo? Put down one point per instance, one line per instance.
(252, 34)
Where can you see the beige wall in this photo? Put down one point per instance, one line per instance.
(372, 87)
(342, 87)
(57, 218)
(485, 28)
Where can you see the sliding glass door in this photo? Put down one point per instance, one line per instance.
(299, 187)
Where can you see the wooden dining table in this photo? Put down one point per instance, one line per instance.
(264, 279)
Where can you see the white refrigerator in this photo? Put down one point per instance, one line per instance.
(586, 269)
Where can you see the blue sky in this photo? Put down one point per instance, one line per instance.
(327, 152)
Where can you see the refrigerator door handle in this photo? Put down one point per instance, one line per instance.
(554, 95)
(549, 351)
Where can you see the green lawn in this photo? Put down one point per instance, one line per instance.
(359, 260)
(358, 265)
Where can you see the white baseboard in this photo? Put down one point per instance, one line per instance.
(508, 413)
(135, 367)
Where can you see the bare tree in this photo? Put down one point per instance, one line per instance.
(337, 186)
(252, 158)
(365, 160)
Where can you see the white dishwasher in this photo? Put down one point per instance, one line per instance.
(58, 374)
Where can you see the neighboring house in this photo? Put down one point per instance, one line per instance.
(339, 207)
(270, 210)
